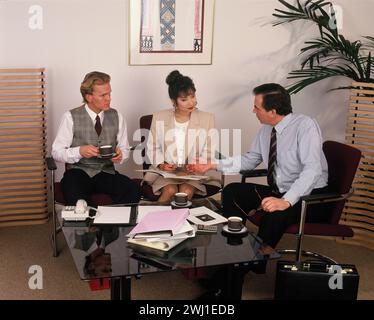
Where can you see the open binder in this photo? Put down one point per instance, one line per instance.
(159, 224)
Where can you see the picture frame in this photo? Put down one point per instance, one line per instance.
(171, 32)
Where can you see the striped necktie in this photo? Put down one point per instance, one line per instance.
(98, 125)
(272, 161)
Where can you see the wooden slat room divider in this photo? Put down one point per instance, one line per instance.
(23, 181)
(359, 210)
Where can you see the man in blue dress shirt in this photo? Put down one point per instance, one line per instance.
(290, 146)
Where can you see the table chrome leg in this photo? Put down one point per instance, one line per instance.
(235, 276)
(120, 288)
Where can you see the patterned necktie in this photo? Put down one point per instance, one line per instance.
(98, 125)
(272, 161)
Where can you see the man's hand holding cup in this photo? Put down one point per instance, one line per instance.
(88, 151)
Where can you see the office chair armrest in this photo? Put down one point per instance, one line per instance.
(324, 197)
(253, 173)
(319, 198)
(313, 199)
(51, 164)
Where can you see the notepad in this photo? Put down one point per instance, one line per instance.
(113, 215)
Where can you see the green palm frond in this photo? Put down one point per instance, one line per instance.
(369, 66)
(310, 76)
(310, 10)
(331, 54)
(317, 50)
(323, 50)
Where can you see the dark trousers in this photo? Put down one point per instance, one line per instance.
(77, 184)
(272, 225)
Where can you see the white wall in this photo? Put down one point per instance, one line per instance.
(79, 36)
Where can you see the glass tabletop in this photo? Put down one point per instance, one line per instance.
(103, 251)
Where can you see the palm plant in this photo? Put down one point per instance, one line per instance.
(331, 54)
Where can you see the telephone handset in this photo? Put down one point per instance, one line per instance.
(79, 212)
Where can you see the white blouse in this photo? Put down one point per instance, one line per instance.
(180, 136)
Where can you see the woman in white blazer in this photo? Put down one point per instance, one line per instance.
(177, 137)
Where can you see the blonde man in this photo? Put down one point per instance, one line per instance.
(82, 131)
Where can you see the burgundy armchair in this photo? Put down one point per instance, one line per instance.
(343, 161)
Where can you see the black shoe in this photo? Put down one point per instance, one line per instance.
(217, 294)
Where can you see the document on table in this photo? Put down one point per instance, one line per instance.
(205, 217)
(113, 215)
(184, 232)
(171, 175)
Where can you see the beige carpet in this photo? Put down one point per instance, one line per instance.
(22, 247)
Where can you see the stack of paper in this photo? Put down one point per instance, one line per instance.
(162, 230)
(164, 259)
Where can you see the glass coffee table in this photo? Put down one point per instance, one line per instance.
(102, 252)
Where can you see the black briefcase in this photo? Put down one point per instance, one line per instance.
(315, 281)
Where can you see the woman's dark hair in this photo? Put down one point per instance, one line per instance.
(179, 84)
(274, 97)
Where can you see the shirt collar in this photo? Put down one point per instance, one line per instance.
(283, 123)
(93, 114)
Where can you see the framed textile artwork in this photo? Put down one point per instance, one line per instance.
(170, 31)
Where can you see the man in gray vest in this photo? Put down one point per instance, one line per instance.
(82, 131)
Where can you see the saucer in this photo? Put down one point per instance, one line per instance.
(188, 204)
(108, 156)
(244, 230)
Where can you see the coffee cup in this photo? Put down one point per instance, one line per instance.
(106, 151)
(234, 224)
(181, 198)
